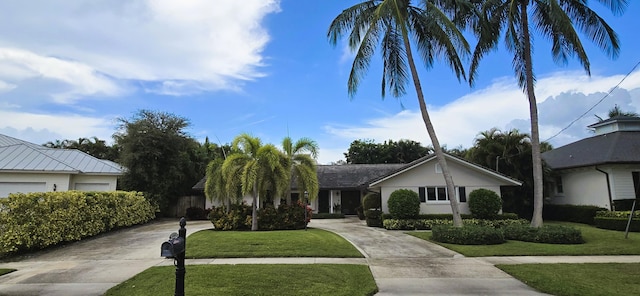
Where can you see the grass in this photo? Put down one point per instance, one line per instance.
(4, 271)
(579, 279)
(253, 244)
(259, 279)
(597, 242)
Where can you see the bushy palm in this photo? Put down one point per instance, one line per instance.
(395, 26)
(256, 169)
(555, 20)
(301, 156)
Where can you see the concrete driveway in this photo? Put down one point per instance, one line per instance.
(92, 266)
(405, 265)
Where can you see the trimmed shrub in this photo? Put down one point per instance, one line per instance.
(428, 224)
(360, 212)
(484, 204)
(619, 224)
(285, 217)
(38, 220)
(549, 234)
(404, 204)
(618, 214)
(371, 200)
(503, 216)
(571, 213)
(373, 217)
(468, 235)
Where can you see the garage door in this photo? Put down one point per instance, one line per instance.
(23, 187)
(92, 186)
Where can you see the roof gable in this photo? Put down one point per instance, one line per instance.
(432, 157)
(18, 155)
(611, 148)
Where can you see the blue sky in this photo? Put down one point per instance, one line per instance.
(70, 69)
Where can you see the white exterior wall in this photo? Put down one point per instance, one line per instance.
(109, 180)
(61, 181)
(622, 181)
(426, 176)
(585, 186)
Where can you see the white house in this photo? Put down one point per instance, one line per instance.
(27, 167)
(343, 186)
(598, 170)
(424, 176)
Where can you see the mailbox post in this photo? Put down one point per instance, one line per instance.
(175, 248)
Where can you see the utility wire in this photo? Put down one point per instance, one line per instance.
(596, 104)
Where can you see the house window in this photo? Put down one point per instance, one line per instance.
(440, 194)
(559, 188)
(438, 169)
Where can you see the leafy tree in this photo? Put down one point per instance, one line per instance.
(555, 20)
(159, 157)
(301, 156)
(403, 151)
(397, 26)
(508, 153)
(259, 170)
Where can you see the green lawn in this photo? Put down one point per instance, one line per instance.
(598, 242)
(579, 279)
(5, 271)
(253, 244)
(259, 279)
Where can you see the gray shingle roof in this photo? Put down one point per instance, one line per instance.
(616, 147)
(350, 176)
(18, 155)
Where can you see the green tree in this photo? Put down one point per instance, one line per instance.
(159, 157)
(92, 146)
(302, 156)
(402, 151)
(259, 170)
(556, 20)
(397, 26)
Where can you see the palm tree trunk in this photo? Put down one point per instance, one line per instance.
(457, 220)
(254, 210)
(536, 220)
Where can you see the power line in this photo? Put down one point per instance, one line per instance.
(596, 104)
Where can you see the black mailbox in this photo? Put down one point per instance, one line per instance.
(172, 247)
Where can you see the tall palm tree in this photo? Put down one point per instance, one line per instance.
(556, 20)
(257, 169)
(215, 184)
(302, 155)
(395, 26)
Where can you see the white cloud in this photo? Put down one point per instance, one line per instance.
(87, 45)
(503, 105)
(41, 128)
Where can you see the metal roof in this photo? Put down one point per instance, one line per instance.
(615, 147)
(17, 155)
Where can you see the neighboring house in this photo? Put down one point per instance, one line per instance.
(343, 186)
(597, 170)
(27, 167)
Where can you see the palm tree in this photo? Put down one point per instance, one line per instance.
(617, 111)
(257, 169)
(215, 185)
(556, 20)
(397, 25)
(301, 156)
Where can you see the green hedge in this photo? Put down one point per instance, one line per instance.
(404, 204)
(618, 223)
(468, 235)
(39, 220)
(428, 224)
(285, 217)
(503, 216)
(549, 234)
(571, 213)
(618, 214)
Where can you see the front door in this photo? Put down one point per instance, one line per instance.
(350, 201)
(323, 201)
